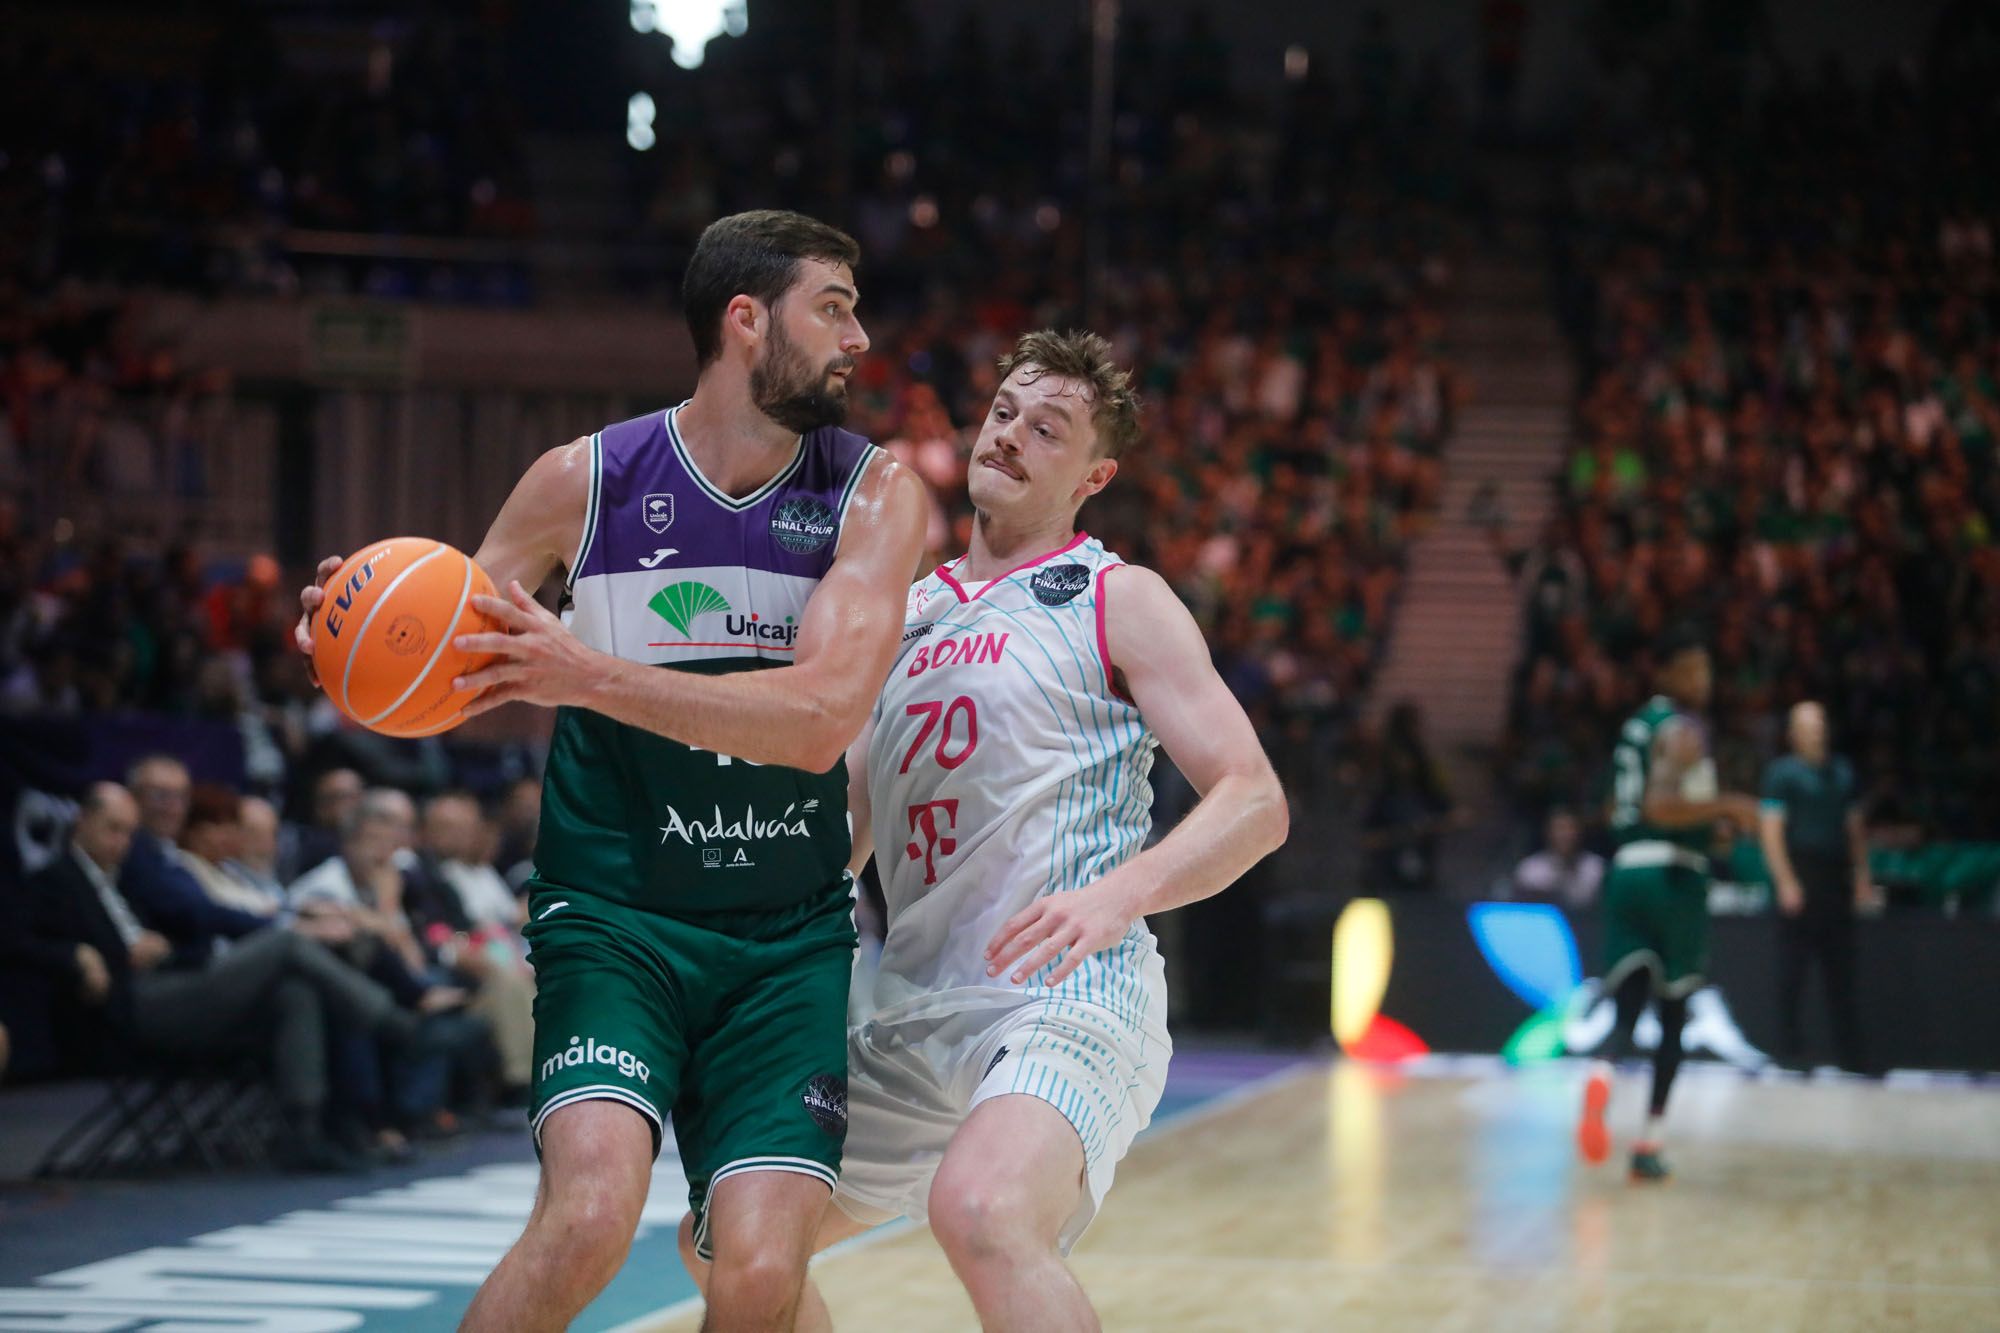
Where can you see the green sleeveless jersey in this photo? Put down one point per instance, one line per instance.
(676, 574)
(1632, 773)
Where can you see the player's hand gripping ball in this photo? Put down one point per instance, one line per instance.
(382, 641)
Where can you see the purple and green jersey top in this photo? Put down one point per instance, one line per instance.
(673, 572)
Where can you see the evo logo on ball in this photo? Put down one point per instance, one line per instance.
(343, 601)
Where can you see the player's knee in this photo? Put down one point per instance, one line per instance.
(589, 1238)
(979, 1218)
(588, 1221)
(596, 1168)
(758, 1285)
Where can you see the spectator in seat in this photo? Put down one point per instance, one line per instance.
(130, 968)
(212, 836)
(1564, 871)
(156, 880)
(362, 880)
(487, 948)
(213, 840)
(366, 885)
(453, 831)
(334, 795)
(255, 862)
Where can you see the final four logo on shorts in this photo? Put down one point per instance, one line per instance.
(658, 511)
(1059, 583)
(826, 1102)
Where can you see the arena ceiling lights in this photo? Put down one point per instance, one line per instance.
(690, 25)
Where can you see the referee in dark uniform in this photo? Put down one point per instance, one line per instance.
(1818, 854)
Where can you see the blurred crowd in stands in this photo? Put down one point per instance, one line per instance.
(143, 152)
(1275, 272)
(90, 405)
(1291, 455)
(1277, 282)
(1785, 311)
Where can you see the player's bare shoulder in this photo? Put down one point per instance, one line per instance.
(560, 475)
(1144, 618)
(541, 524)
(887, 508)
(1134, 591)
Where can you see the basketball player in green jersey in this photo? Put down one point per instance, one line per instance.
(690, 915)
(1664, 808)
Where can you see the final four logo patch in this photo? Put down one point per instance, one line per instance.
(803, 524)
(826, 1102)
(1059, 583)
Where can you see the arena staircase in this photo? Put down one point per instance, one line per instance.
(1456, 635)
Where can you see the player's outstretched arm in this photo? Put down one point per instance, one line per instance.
(1157, 649)
(536, 531)
(802, 715)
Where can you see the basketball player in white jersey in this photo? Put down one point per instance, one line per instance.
(1018, 1041)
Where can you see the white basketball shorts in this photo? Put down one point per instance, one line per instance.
(912, 1083)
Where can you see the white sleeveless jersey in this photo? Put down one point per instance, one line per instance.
(1004, 766)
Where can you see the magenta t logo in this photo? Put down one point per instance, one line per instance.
(937, 842)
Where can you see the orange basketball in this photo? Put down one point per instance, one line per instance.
(382, 639)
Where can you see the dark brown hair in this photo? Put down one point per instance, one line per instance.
(210, 803)
(1085, 359)
(752, 254)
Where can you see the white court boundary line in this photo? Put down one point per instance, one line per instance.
(1200, 1113)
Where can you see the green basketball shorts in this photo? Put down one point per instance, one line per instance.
(1656, 917)
(734, 1026)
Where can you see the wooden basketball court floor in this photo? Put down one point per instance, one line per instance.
(1451, 1198)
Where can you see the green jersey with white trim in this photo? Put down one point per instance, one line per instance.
(1632, 774)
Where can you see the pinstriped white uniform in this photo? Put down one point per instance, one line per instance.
(1004, 767)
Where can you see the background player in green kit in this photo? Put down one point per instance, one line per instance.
(690, 915)
(1664, 807)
